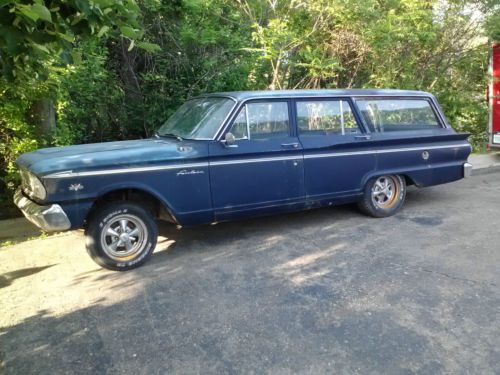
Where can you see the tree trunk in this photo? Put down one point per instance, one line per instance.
(43, 115)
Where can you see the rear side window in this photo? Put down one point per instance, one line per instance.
(388, 115)
(262, 121)
(325, 117)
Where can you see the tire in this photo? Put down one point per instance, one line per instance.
(108, 236)
(383, 196)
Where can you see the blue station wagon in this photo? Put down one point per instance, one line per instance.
(231, 155)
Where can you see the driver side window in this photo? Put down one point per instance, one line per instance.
(262, 121)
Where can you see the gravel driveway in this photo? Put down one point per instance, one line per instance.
(324, 291)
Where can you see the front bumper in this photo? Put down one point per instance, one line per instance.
(49, 218)
(467, 170)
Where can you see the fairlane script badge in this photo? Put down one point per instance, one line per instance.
(186, 172)
(75, 187)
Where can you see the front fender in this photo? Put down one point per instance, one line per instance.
(137, 186)
(184, 192)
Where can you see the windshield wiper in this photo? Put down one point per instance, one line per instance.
(170, 135)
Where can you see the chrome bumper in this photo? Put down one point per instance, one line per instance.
(49, 218)
(467, 170)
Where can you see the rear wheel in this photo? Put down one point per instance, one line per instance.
(121, 236)
(383, 196)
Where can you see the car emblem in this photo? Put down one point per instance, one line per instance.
(75, 187)
(186, 172)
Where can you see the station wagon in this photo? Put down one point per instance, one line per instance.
(226, 156)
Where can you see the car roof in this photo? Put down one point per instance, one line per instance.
(244, 95)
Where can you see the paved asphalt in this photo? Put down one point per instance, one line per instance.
(324, 291)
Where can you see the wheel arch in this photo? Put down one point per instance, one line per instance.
(411, 177)
(152, 200)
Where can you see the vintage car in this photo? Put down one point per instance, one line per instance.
(231, 155)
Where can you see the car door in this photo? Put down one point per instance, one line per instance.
(263, 168)
(337, 150)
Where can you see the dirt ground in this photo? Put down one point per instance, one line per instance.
(324, 291)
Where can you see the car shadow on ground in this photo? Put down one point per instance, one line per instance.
(224, 233)
(206, 241)
(177, 248)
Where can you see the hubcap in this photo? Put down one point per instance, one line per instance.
(124, 237)
(385, 192)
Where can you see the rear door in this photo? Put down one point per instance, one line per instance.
(337, 150)
(263, 169)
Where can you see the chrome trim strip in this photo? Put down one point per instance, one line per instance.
(382, 151)
(335, 154)
(67, 174)
(330, 95)
(428, 148)
(255, 160)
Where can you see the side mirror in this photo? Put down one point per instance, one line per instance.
(229, 140)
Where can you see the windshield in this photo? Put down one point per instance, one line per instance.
(197, 118)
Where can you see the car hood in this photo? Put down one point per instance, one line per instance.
(96, 156)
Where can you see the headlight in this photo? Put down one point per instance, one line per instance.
(33, 185)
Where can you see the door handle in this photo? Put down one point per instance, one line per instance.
(364, 136)
(290, 145)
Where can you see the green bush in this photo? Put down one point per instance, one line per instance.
(90, 103)
(17, 136)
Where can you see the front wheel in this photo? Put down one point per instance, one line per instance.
(383, 196)
(121, 236)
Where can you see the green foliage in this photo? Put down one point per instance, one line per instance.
(17, 136)
(32, 32)
(493, 26)
(90, 101)
(200, 42)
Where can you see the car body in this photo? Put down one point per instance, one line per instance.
(251, 153)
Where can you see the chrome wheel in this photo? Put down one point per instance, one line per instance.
(124, 237)
(385, 191)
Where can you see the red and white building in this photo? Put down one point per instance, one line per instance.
(494, 97)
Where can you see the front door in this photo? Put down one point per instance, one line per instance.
(263, 169)
(337, 152)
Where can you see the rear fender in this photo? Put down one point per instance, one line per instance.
(419, 177)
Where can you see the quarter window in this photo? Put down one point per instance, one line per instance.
(261, 121)
(388, 115)
(325, 117)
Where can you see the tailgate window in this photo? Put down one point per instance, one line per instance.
(389, 115)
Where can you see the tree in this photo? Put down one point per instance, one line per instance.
(33, 32)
